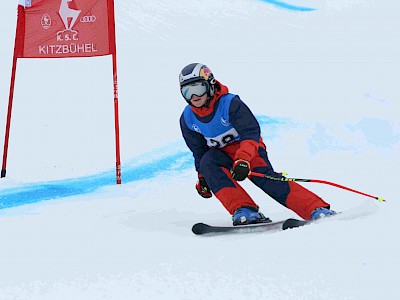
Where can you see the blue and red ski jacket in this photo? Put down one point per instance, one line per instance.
(226, 123)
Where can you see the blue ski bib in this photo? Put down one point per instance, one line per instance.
(219, 131)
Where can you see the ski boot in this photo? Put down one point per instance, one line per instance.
(248, 215)
(321, 212)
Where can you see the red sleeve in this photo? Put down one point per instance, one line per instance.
(248, 150)
(248, 128)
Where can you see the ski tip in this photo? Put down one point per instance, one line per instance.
(294, 223)
(199, 228)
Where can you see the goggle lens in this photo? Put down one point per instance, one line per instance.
(196, 88)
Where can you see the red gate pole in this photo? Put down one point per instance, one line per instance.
(113, 48)
(9, 110)
(116, 121)
(17, 49)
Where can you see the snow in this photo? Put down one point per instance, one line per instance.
(323, 83)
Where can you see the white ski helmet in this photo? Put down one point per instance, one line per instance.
(197, 72)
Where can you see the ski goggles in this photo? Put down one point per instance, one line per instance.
(198, 88)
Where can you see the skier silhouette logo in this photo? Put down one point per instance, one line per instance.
(69, 13)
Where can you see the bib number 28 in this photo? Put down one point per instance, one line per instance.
(221, 141)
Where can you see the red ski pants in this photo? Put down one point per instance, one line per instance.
(216, 164)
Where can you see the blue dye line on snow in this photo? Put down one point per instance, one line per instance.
(177, 161)
(36, 192)
(288, 6)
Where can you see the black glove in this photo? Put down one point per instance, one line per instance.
(202, 188)
(240, 170)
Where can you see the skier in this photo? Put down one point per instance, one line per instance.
(225, 139)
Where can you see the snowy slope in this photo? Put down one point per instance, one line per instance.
(322, 77)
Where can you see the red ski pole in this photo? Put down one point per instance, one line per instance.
(380, 199)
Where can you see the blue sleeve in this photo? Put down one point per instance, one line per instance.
(195, 141)
(245, 123)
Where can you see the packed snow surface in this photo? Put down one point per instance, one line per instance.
(322, 79)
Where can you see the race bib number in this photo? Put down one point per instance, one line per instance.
(223, 139)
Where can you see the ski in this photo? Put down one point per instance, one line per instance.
(201, 228)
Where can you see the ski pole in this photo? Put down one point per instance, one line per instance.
(380, 199)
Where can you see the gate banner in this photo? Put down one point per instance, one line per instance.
(65, 28)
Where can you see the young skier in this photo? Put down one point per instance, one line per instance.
(226, 142)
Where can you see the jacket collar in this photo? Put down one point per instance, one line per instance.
(204, 111)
